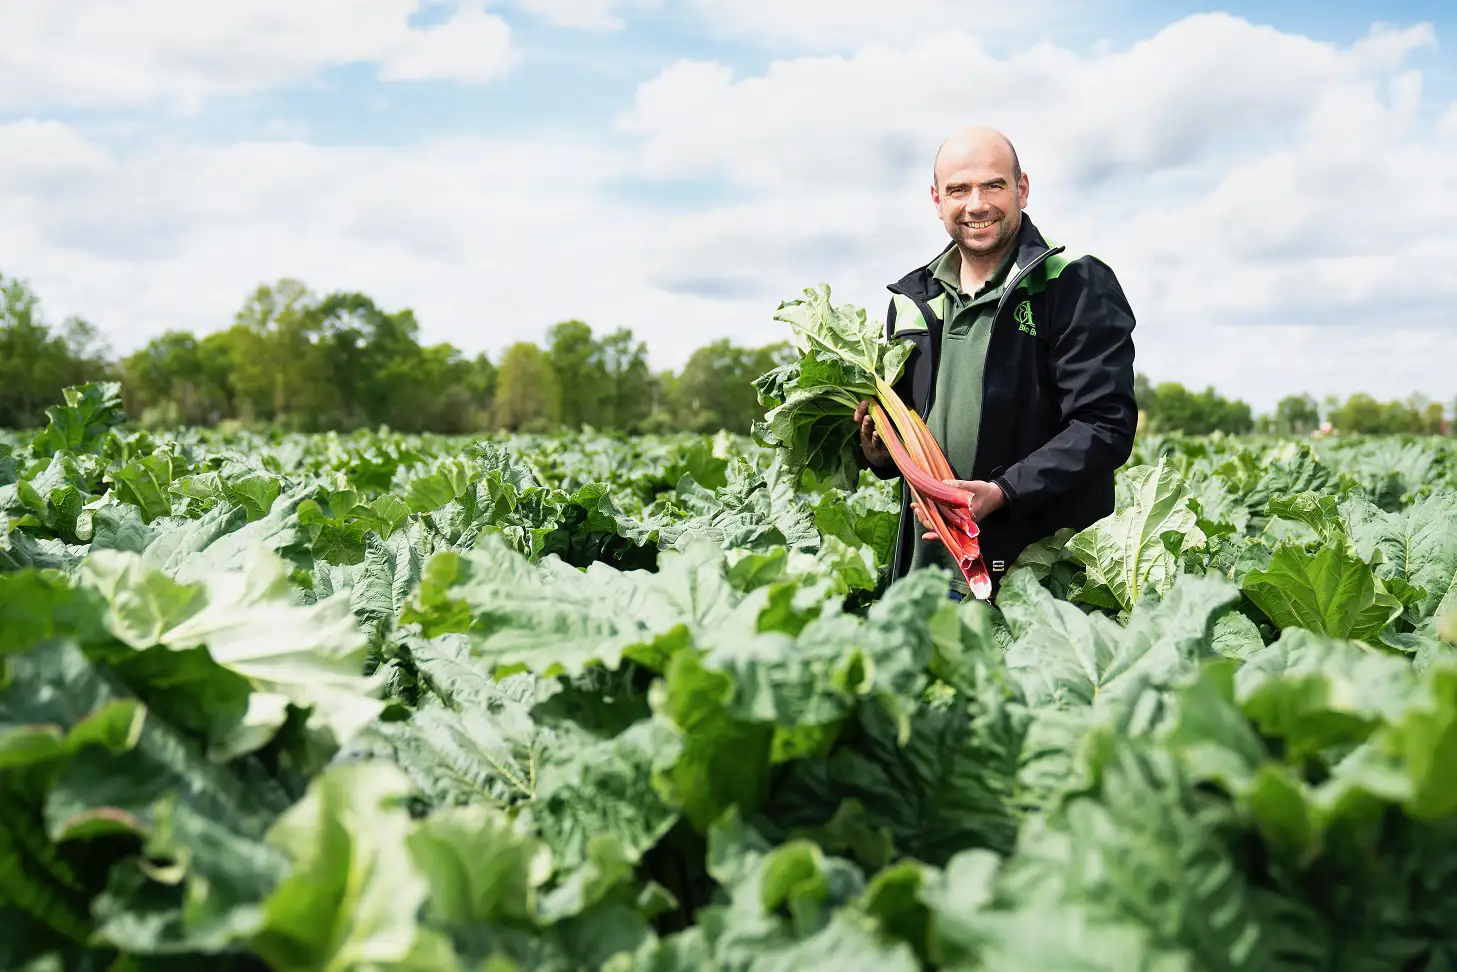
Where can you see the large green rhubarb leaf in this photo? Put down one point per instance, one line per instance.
(80, 425)
(1331, 591)
(1134, 851)
(587, 786)
(475, 740)
(147, 484)
(791, 907)
(481, 865)
(810, 402)
(1417, 545)
(308, 655)
(552, 618)
(353, 897)
(724, 762)
(1138, 547)
(859, 519)
(844, 332)
(1317, 692)
(471, 739)
(1065, 657)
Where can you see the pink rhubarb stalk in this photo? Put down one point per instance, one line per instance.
(924, 465)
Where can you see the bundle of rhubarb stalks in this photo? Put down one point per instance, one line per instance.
(946, 508)
(845, 359)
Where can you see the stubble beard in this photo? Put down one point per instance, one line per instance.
(1006, 233)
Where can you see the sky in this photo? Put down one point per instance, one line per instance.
(1274, 184)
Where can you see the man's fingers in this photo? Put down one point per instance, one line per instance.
(929, 535)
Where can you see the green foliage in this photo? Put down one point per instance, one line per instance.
(1296, 415)
(296, 361)
(1363, 414)
(715, 389)
(38, 360)
(1171, 407)
(842, 356)
(578, 701)
(293, 360)
(526, 391)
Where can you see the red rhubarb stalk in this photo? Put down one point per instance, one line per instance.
(917, 476)
(906, 422)
(920, 459)
(964, 549)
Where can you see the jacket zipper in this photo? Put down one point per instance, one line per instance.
(1021, 275)
(1001, 304)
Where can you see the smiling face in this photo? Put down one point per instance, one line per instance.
(978, 192)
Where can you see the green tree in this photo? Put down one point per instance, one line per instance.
(38, 361)
(177, 379)
(1296, 415)
(524, 392)
(481, 378)
(1434, 420)
(1361, 413)
(281, 370)
(715, 389)
(631, 385)
(441, 385)
(375, 360)
(580, 375)
(1176, 409)
(1143, 392)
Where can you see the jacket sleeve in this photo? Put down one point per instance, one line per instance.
(890, 470)
(1092, 374)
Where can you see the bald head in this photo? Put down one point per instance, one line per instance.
(975, 146)
(979, 190)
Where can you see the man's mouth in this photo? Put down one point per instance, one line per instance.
(978, 223)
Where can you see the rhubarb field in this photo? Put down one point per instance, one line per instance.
(383, 702)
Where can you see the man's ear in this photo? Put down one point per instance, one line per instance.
(1023, 187)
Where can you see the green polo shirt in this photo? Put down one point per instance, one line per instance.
(955, 415)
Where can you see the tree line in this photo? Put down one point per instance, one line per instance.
(298, 361)
(1170, 407)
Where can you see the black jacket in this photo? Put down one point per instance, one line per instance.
(1058, 413)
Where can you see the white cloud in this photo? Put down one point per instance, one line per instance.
(1160, 104)
(1447, 124)
(1275, 226)
(135, 52)
(829, 25)
(808, 25)
(471, 46)
(490, 241)
(47, 150)
(585, 14)
(1293, 207)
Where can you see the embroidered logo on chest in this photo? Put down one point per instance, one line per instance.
(1023, 316)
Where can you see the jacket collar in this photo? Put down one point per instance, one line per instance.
(919, 284)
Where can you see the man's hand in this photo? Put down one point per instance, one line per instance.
(986, 499)
(870, 444)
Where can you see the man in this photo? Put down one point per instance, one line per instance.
(1022, 368)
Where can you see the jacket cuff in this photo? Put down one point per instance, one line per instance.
(1011, 494)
